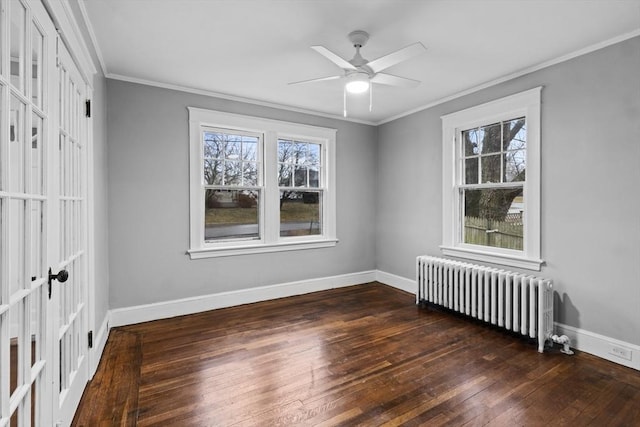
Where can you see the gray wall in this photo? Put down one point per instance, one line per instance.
(148, 184)
(590, 177)
(389, 193)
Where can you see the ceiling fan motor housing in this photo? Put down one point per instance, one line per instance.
(359, 38)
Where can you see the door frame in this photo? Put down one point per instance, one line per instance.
(53, 16)
(30, 253)
(71, 35)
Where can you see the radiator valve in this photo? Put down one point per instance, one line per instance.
(564, 340)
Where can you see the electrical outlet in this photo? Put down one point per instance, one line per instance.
(621, 352)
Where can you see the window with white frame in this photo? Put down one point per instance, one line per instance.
(259, 185)
(232, 184)
(491, 182)
(299, 178)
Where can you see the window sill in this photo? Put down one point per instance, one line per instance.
(213, 252)
(494, 258)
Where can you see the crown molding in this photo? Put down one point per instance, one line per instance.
(517, 74)
(235, 98)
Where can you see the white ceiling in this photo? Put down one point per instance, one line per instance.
(253, 48)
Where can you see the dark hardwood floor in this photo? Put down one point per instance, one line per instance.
(363, 355)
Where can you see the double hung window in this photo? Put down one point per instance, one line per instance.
(232, 184)
(299, 173)
(259, 185)
(491, 193)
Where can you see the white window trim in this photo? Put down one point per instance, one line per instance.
(525, 104)
(270, 240)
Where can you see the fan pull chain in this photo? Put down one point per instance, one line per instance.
(344, 100)
(370, 96)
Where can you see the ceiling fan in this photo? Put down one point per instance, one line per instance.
(360, 73)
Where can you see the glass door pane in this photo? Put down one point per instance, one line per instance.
(70, 326)
(17, 14)
(24, 213)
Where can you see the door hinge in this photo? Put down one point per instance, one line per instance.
(90, 339)
(87, 108)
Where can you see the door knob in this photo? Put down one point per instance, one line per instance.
(61, 277)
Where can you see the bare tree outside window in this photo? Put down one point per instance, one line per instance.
(494, 160)
(232, 196)
(299, 178)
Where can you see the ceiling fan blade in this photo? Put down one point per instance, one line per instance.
(396, 57)
(340, 62)
(391, 80)
(321, 79)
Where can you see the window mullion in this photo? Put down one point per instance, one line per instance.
(270, 210)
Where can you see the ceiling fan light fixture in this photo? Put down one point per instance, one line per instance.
(359, 73)
(357, 83)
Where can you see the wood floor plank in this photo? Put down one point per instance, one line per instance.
(111, 398)
(356, 356)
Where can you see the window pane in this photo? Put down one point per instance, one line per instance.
(232, 173)
(514, 166)
(490, 168)
(231, 214)
(17, 42)
(313, 158)
(37, 240)
(15, 317)
(285, 151)
(37, 323)
(230, 159)
(514, 135)
(250, 149)
(300, 213)
(300, 176)
(233, 148)
(16, 145)
(36, 64)
(250, 174)
(212, 172)
(37, 175)
(213, 145)
(491, 138)
(17, 242)
(493, 217)
(471, 171)
(299, 164)
(314, 177)
(472, 142)
(285, 173)
(300, 152)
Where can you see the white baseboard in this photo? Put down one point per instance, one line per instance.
(167, 309)
(99, 342)
(600, 345)
(589, 342)
(402, 283)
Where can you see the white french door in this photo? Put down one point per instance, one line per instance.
(43, 319)
(70, 316)
(27, 51)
